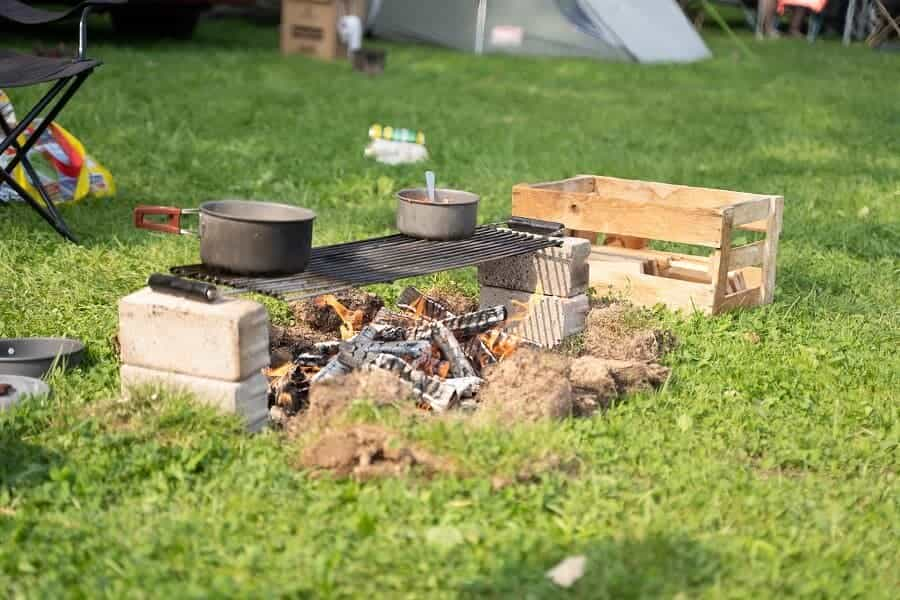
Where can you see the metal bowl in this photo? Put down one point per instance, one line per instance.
(452, 217)
(22, 387)
(33, 357)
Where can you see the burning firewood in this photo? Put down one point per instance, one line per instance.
(437, 394)
(352, 320)
(414, 301)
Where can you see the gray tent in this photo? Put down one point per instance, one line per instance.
(630, 30)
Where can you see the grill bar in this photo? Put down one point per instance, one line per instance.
(378, 260)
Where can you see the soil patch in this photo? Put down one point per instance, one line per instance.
(609, 334)
(529, 385)
(365, 452)
(325, 320)
(453, 300)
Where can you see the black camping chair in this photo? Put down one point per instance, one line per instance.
(20, 70)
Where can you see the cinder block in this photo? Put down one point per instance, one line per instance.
(227, 339)
(551, 319)
(562, 271)
(247, 398)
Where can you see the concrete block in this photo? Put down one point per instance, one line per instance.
(227, 339)
(551, 320)
(562, 271)
(247, 398)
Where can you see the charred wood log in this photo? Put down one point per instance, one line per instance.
(476, 322)
(357, 355)
(466, 387)
(414, 301)
(434, 392)
(452, 351)
(329, 348)
(386, 316)
(334, 368)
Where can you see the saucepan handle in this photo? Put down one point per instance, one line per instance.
(172, 223)
(169, 284)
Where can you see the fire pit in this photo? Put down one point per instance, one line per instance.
(440, 355)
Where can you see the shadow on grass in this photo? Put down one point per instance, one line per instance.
(24, 465)
(654, 567)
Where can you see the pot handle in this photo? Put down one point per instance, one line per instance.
(172, 224)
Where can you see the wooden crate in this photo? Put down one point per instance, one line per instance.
(636, 211)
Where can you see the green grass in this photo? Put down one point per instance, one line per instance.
(764, 469)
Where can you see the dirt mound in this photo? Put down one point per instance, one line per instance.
(610, 333)
(453, 300)
(529, 385)
(368, 451)
(608, 377)
(330, 399)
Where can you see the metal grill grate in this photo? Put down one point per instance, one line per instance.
(379, 260)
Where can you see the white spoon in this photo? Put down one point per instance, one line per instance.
(429, 185)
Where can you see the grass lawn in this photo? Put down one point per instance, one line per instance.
(767, 466)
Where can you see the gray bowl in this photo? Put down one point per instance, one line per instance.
(22, 387)
(33, 357)
(453, 217)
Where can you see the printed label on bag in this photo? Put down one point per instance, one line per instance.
(507, 36)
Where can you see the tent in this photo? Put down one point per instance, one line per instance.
(628, 30)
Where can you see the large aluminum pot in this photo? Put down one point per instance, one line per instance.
(241, 236)
(453, 216)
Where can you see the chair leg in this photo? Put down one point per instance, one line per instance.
(57, 224)
(32, 175)
(48, 212)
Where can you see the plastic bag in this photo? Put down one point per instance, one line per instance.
(64, 168)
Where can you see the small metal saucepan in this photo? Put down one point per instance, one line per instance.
(453, 215)
(240, 236)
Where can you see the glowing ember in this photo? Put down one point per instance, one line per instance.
(352, 320)
(418, 307)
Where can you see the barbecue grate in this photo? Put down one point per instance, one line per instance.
(378, 260)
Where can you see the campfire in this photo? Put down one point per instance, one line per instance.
(440, 355)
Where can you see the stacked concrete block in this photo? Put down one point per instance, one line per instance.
(551, 282)
(215, 351)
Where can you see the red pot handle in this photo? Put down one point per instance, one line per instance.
(172, 224)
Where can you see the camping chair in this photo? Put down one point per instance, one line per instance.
(20, 70)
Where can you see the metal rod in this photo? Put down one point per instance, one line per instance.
(82, 33)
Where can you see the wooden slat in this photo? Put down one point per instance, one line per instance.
(748, 255)
(755, 227)
(648, 290)
(681, 195)
(720, 260)
(770, 250)
(651, 254)
(751, 211)
(701, 226)
(599, 269)
(583, 184)
(744, 299)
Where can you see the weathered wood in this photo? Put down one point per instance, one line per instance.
(750, 211)
(648, 290)
(334, 368)
(748, 255)
(434, 392)
(617, 216)
(770, 250)
(475, 322)
(452, 351)
(743, 299)
(719, 262)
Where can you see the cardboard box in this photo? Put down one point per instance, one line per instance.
(310, 26)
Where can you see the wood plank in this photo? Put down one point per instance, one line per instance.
(680, 195)
(745, 299)
(660, 256)
(583, 184)
(755, 227)
(751, 211)
(720, 261)
(701, 226)
(770, 250)
(600, 269)
(752, 275)
(748, 255)
(647, 290)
